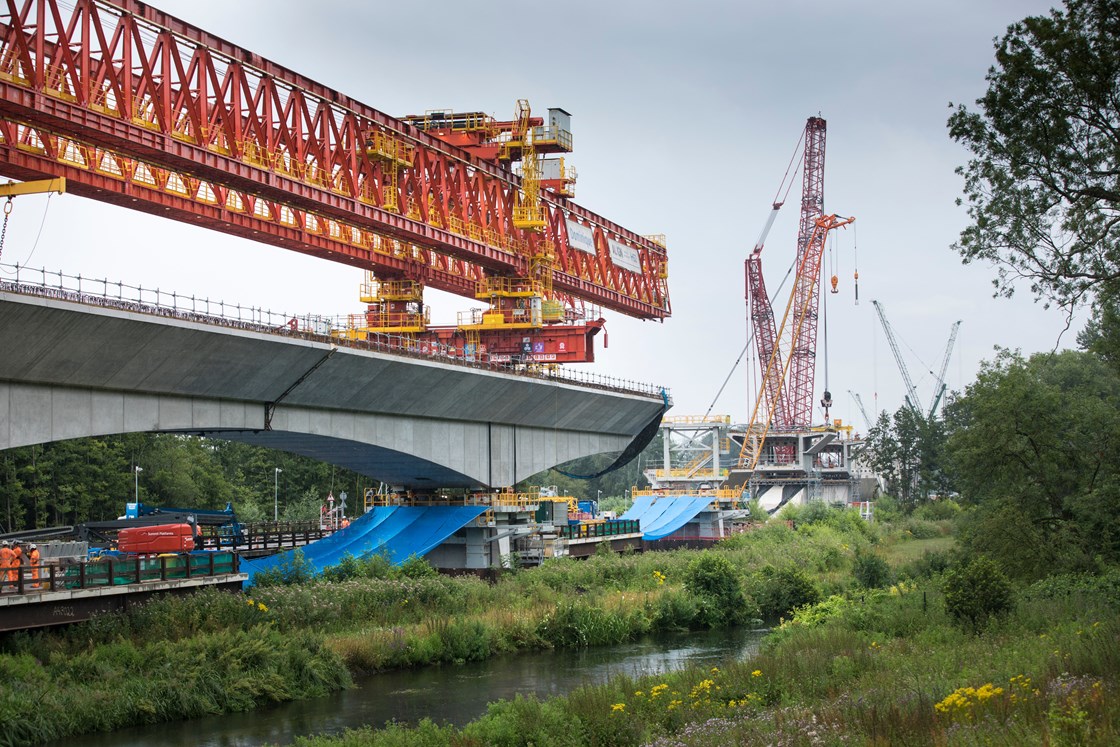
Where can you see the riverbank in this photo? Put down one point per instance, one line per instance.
(217, 653)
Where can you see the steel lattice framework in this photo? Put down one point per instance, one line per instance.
(765, 336)
(802, 345)
(791, 403)
(137, 108)
(796, 317)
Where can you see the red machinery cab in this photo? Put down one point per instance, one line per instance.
(156, 539)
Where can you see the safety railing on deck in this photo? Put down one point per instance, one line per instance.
(117, 571)
(268, 536)
(611, 528)
(158, 302)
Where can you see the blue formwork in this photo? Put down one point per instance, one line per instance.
(662, 515)
(396, 531)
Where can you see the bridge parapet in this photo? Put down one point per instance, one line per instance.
(104, 293)
(79, 363)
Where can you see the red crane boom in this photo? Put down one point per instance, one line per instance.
(138, 108)
(802, 344)
(791, 404)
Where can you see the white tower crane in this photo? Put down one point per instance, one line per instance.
(944, 367)
(912, 395)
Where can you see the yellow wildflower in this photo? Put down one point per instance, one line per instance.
(756, 673)
(618, 708)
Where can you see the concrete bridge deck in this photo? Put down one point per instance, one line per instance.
(77, 364)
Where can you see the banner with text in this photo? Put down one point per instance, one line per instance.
(624, 256)
(580, 237)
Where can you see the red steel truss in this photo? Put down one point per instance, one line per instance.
(137, 108)
(765, 338)
(802, 346)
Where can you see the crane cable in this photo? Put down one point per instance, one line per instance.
(4, 230)
(749, 341)
(800, 161)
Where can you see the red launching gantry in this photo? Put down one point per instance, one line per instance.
(137, 108)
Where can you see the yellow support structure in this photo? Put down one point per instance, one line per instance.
(37, 187)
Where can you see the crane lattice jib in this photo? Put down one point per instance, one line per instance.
(808, 271)
(940, 384)
(863, 411)
(912, 393)
(140, 109)
(802, 347)
(765, 337)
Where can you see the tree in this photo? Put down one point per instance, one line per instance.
(976, 593)
(907, 451)
(1101, 334)
(1035, 448)
(1043, 180)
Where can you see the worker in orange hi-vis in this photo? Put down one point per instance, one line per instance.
(7, 557)
(33, 556)
(17, 562)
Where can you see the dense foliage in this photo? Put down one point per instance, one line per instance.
(907, 451)
(91, 479)
(1035, 448)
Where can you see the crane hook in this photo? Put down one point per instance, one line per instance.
(835, 283)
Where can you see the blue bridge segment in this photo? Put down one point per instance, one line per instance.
(663, 515)
(397, 531)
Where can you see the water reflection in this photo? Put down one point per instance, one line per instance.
(447, 694)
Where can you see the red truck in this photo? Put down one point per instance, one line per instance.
(156, 539)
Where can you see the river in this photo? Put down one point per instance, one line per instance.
(452, 694)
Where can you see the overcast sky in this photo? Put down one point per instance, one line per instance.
(684, 116)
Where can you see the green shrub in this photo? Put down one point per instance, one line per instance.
(871, 571)
(887, 509)
(348, 567)
(976, 593)
(919, 529)
(779, 591)
(931, 563)
(579, 624)
(417, 567)
(672, 611)
(940, 510)
(718, 592)
(295, 569)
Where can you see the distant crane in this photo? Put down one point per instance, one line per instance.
(944, 367)
(862, 410)
(911, 394)
(912, 400)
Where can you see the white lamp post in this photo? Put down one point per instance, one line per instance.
(276, 495)
(136, 471)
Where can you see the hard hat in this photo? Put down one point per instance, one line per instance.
(5, 543)
(34, 546)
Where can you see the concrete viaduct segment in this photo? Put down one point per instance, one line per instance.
(70, 369)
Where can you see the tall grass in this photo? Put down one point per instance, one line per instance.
(876, 668)
(124, 683)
